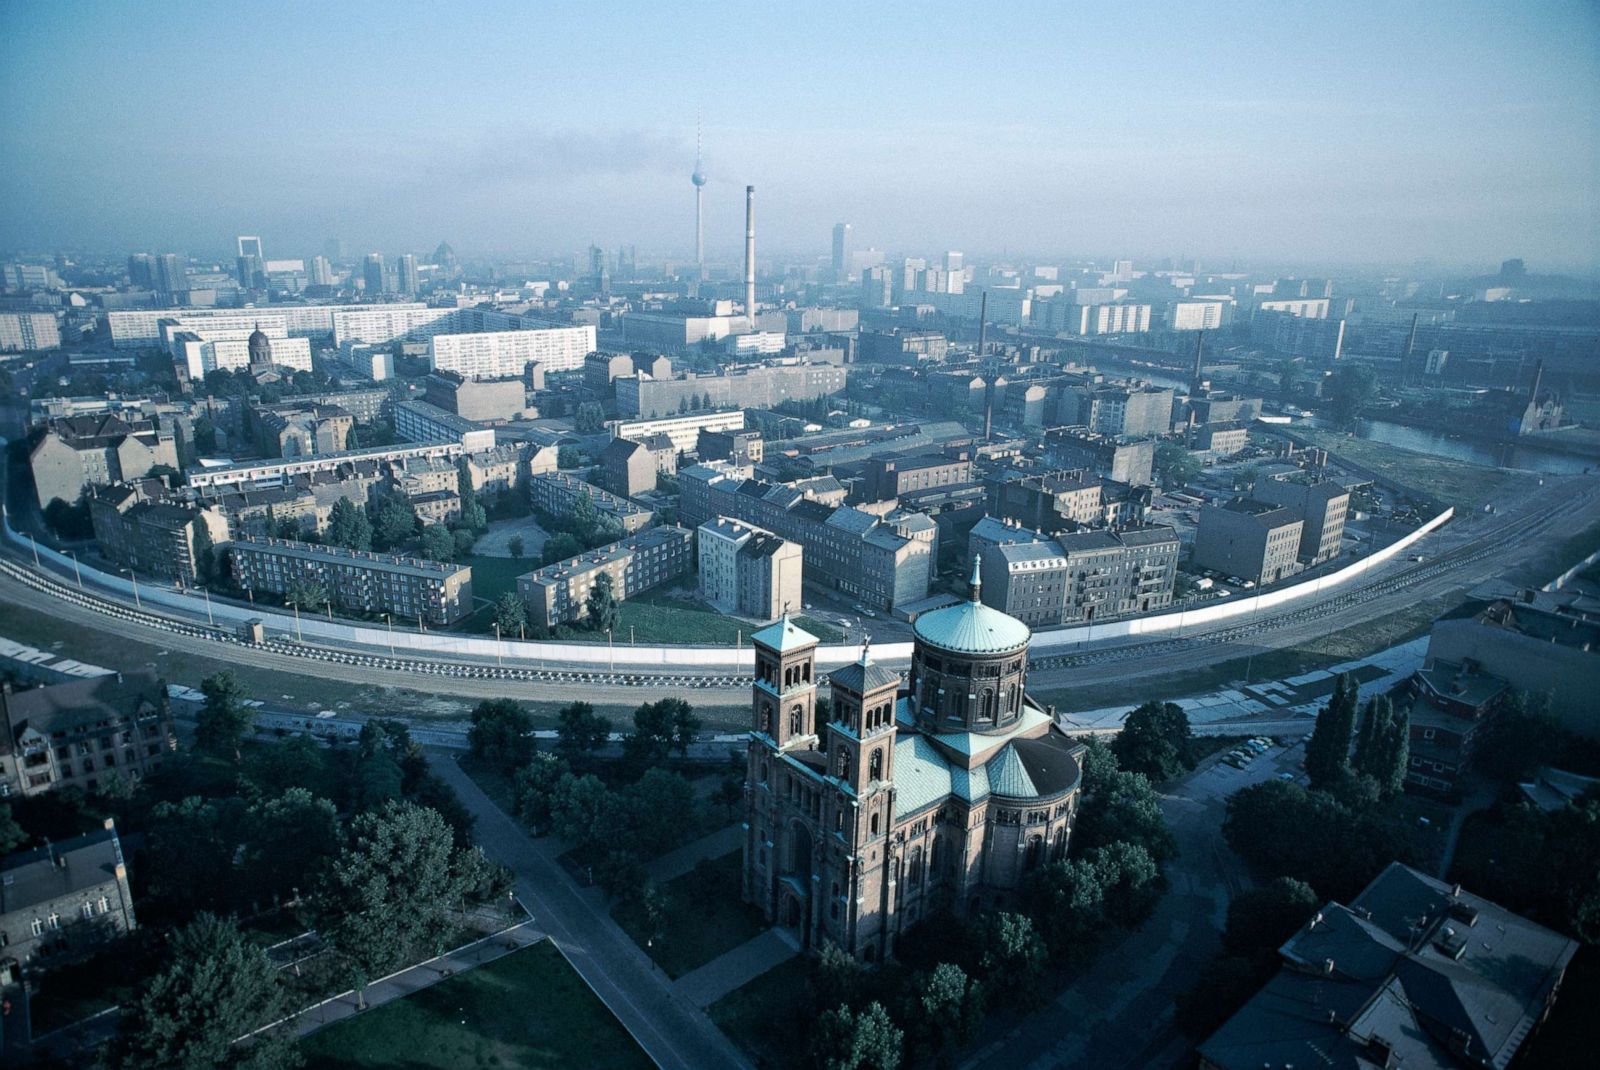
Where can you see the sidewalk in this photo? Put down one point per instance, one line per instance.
(737, 967)
(415, 978)
(677, 863)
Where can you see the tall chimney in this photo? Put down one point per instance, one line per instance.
(1411, 345)
(750, 255)
(1198, 382)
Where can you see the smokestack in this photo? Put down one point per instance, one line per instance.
(988, 373)
(1538, 377)
(750, 255)
(1197, 384)
(1411, 344)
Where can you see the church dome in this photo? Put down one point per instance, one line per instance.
(972, 627)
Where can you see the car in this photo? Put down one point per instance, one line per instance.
(1417, 558)
(1248, 584)
(1234, 760)
(1285, 777)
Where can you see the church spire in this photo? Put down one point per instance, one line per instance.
(975, 584)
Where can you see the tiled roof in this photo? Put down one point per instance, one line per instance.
(784, 635)
(972, 628)
(864, 677)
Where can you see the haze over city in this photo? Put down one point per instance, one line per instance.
(1305, 133)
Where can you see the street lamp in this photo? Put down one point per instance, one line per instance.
(135, 578)
(35, 540)
(207, 592)
(297, 636)
(611, 651)
(78, 571)
(388, 622)
(497, 659)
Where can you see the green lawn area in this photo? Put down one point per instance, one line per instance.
(704, 917)
(494, 576)
(761, 1017)
(1456, 483)
(529, 1009)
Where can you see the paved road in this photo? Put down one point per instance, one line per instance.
(676, 1034)
(1119, 1015)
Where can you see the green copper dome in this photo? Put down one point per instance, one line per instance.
(972, 627)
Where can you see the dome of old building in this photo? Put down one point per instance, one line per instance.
(260, 347)
(972, 627)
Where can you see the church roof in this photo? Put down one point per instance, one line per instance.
(864, 675)
(783, 636)
(972, 627)
(1020, 768)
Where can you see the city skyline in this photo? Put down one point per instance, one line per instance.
(1312, 138)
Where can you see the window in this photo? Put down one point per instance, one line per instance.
(874, 824)
(875, 765)
(88, 910)
(104, 904)
(1427, 733)
(54, 920)
(38, 927)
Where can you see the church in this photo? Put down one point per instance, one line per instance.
(937, 793)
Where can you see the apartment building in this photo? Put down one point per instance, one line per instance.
(23, 331)
(85, 451)
(476, 399)
(1052, 502)
(418, 421)
(1118, 410)
(84, 733)
(437, 593)
(746, 571)
(1321, 505)
(632, 467)
(739, 447)
(559, 593)
(1254, 540)
(1081, 577)
(1212, 442)
(63, 901)
(889, 476)
(684, 431)
(852, 551)
(301, 428)
(1126, 460)
(154, 538)
(760, 387)
(498, 354)
(257, 475)
(1109, 318)
(557, 493)
(141, 328)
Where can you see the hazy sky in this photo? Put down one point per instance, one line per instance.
(1330, 132)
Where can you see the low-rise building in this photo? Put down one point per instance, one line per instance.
(557, 493)
(559, 593)
(1322, 505)
(747, 571)
(1081, 577)
(84, 733)
(1449, 703)
(62, 901)
(739, 447)
(85, 451)
(1253, 540)
(476, 399)
(684, 431)
(418, 421)
(282, 471)
(439, 593)
(1414, 972)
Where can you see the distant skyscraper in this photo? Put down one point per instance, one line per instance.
(252, 273)
(409, 283)
(372, 273)
(321, 273)
(170, 275)
(445, 257)
(699, 179)
(953, 261)
(142, 270)
(249, 245)
(841, 252)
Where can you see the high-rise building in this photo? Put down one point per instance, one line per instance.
(142, 270)
(250, 245)
(841, 252)
(170, 274)
(251, 272)
(321, 273)
(372, 273)
(408, 274)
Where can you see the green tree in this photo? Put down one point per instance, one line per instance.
(1130, 879)
(189, 855)
(1519, 737)
(1175, 465)
(1261, 919)
(837, 978)
(655, 811)
(1013, 955)
(287, 841)
(216, 987)
(604, 611)
(1350, 389)
(438, 544)
(348, 526)
(1391, 775)
(501, 734)
(12, 835)
(1155, 740)
(846, 1040)
(1126, 809)
(1328, 749)
(534, 788)
(223, 719)
(511, 615)
(581, 810)
(946, 1011)
(659, 728)
(306, 592)
(388, 893)
(568, 457)
(516, 546)
(1373, 730)
(559, 547)
(581, 731)
(1066, 900)
(1284, 830)
(394, 522)
(589, 419)
(729, 794)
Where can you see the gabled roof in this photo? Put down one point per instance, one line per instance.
(90, 701)
(33, 878)
(864, 676)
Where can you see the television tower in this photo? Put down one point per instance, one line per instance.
(699, 180)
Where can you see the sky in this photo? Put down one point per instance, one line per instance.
(1458, 133)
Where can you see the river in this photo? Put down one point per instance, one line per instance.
(1491, 454)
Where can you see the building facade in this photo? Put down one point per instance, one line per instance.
(21, 331)
(1253, 540)
(155, 538)
(760, 387)
(746, 571)
(418, 421)
(499, 354)
(85, 733)
(84, 451)
(1322, 507)
(437, 594)
(938, 793)
(558, 493)
(61, 902)
(1083, 577)
(559, 593)
(684, 431)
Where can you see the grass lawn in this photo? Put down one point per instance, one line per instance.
(1456, 483)
(529, 1009)
(704, 917)
(761, 1018)
(494, 576)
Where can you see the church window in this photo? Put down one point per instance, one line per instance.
(874, 824)
(1035, 853)
(875, 766)
(915, 869)
(794, 721)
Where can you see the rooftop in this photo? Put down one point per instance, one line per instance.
(784, 635)
(30, 878)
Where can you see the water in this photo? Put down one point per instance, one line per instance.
(1491, 454)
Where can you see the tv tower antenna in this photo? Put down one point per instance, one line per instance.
(699, 180)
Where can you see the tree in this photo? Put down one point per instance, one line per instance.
(223, 719)
(1391, 775)
(837, 978)
(205, 435)
(12, 835)
(653, 811)
(1175, 465)
(394, 522)
(1519, 737)
(438, 544)
(217, 986)
(559, 547)
(287, 841)
(348, 526)
(533, 790)
(946, 1010)
(501, 734)
(729, 793)
(568, 457)
(515, 545)
(1155, 740)
(1284, 830)
(68, 520)
(581, 731)
(388, 892)
(659, 728)
(189, 855)
(589, 419)
(845, 1040)
(306, 592)
(1328, 749)
(1350, 389)
(461, 540)
(580, 810)
(511, 615)
(205, 552)
(1261, 919)
(1130, 881)
(604, 611)
(1126, 809)
(1066, 900)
